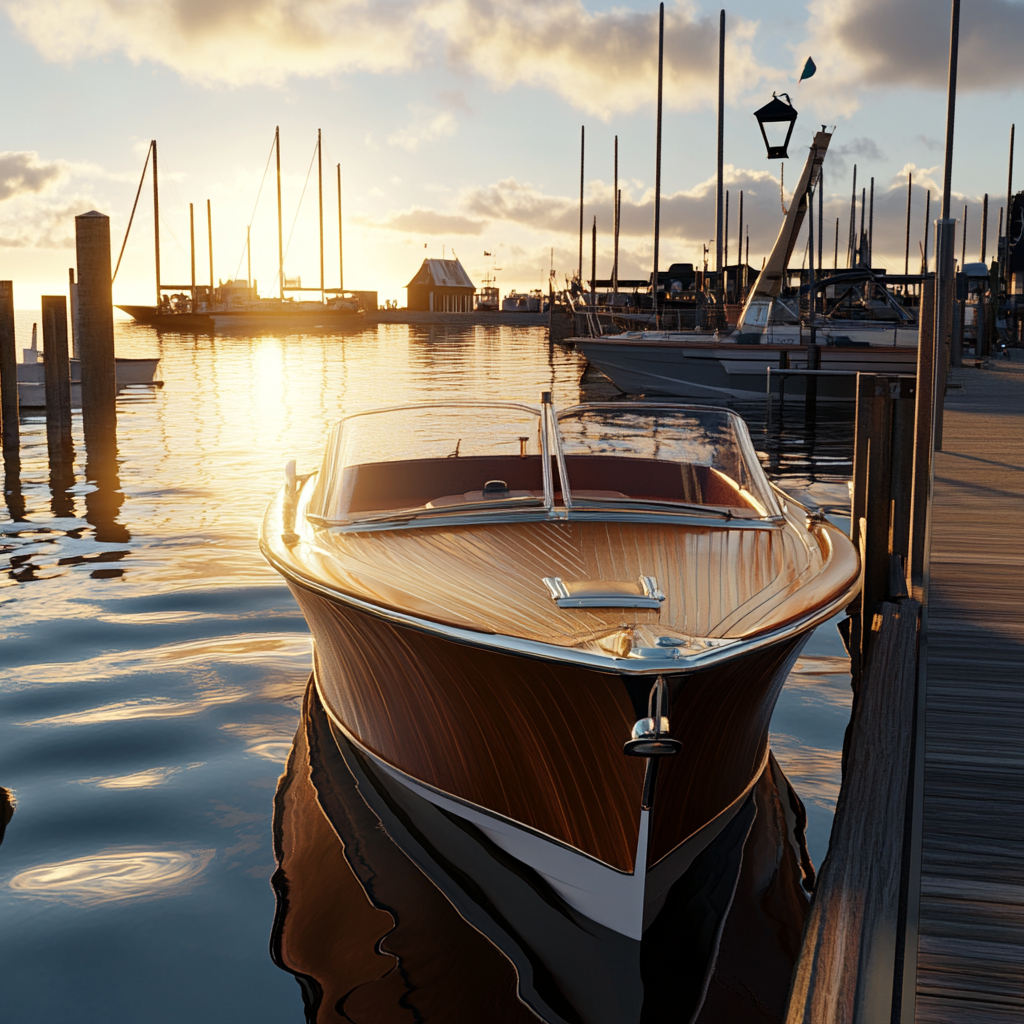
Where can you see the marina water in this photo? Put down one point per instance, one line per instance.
(152, 666)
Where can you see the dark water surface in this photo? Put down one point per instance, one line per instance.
(152, 666)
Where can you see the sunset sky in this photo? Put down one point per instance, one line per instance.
(457, 126)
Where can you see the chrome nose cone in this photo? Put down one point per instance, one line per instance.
(651, 739)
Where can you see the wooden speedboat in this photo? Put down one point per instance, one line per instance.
(565, 630)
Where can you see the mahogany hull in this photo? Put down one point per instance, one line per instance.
(539, 743)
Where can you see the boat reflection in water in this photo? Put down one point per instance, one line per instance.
(549, 647)
(388, 909)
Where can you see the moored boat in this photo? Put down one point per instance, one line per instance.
(866, 330)
(566, 631)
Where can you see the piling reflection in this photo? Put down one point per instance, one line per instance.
(14, 499)
(103, 503)
(389, 910)
(62, 479)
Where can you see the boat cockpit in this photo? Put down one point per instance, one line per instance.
(434, 464)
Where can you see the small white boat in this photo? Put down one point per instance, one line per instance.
(32, 386)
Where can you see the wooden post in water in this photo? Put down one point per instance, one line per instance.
(9, 423)
(73, 301)
(96, 326)
(57, 373)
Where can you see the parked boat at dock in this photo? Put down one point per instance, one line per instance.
(865, 330)
(565, 630)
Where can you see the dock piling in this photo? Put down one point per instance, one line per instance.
(96, 328)
(9, 427)
(57, 375)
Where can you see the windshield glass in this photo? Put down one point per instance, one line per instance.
(691, 455)
(431, 458)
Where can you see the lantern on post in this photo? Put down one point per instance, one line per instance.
(778, 117)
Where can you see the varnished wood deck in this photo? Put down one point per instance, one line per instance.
(970, 953)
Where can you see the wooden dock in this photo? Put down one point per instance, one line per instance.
(966, 894)
(918, 913)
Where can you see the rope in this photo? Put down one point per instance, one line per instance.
(252, 215)
(132, 217)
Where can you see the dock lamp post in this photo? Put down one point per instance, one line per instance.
(777, 117)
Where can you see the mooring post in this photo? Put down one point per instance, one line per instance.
(76, 351)
(902, 485)
(57, 374)
(96, 328)
(945, 290)
(877, 502)
(922, 435)
(9, 427)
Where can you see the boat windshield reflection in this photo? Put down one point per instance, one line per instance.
(429, 461)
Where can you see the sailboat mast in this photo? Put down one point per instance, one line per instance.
(280, 229)
(341, 251)
(248, 259)
(156, 222)
(209, 237)
(657, 164)
(192, 245)
(320, 186)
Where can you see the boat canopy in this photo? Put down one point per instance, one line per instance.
(428, 463)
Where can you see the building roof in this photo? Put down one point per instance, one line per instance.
(443, 273)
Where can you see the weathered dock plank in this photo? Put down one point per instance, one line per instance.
(845, 972)
(970, 916)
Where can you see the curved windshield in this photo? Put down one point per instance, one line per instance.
(428, 461)
(425, 459)
(662, 454)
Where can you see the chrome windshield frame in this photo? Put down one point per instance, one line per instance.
(551, 423)
(773, 512)
(551, 447)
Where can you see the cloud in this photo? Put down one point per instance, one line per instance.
(430, 222)
(23, 172)
(39, 200)
(861, 149)
(906, 42)
(601, 62)
(426, 126)
(688, 220)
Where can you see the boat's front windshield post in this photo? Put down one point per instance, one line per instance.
(545, 453)
(563, 474)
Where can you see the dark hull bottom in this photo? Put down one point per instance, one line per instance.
(391, 910)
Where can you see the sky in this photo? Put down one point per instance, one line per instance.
(456, 124)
